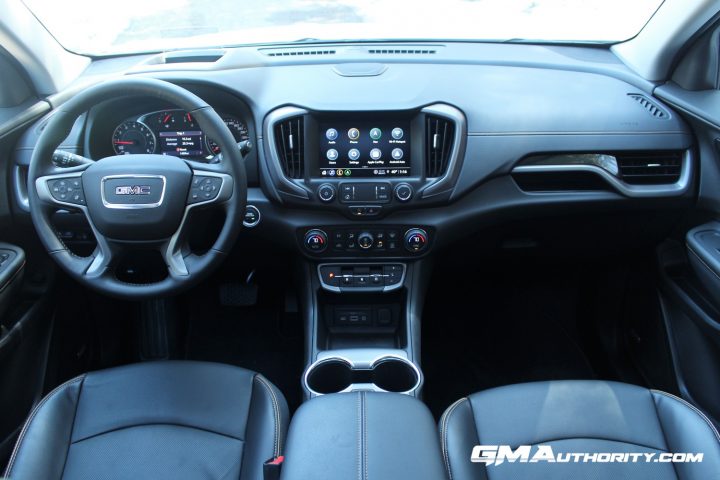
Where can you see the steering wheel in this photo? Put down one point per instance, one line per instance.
(137, 201)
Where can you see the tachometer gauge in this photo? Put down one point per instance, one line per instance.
(168, 119)
(238, 129)
(133, 137)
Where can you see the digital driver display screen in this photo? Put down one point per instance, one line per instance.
(365, 149)
(182, 144)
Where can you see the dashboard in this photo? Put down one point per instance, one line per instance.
(392, 153)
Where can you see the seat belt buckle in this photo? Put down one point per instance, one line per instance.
(272, 467)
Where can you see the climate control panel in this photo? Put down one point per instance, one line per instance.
(365, 241)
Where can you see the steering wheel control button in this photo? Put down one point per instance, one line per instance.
(375, 133)
(331, 134)
(251, 217)
(204, 188)
(326, 192)
(316, 241)
(68, 190)
(403, 192)
(397, 133)
(416, 240)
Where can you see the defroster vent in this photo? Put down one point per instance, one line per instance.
(289, 141)
(439, 136)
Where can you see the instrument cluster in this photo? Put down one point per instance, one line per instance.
(171, 132)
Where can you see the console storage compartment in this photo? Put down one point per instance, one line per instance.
(368, 435)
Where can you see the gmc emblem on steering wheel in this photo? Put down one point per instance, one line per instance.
(133, 190)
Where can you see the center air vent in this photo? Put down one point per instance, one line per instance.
(289, 140)
(649, 168)
(439, 135)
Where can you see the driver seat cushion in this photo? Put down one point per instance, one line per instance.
(160, 420)
(579, 416)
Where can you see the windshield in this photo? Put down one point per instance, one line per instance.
(101, 27)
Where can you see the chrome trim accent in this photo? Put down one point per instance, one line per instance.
(272, 160)
(259, 217)
(19, 175)
(448, 180)
(131, 206)
(170, 250)
(669, 190)
(386, 288)
(103, 253)
(362, 359)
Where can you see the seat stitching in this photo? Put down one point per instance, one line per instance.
(276, 412)
(148, 424)
(694, 409)
(443, 433)
(72, 429)
(34, 412)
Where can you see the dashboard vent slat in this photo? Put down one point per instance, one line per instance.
(296, 52)
(289, 139)
(651, 107)
(650, 168)
(400, 51)
(439, 135)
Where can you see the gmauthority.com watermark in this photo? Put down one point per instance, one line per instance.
(498, 454)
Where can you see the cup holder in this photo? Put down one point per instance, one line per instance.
(389, 374)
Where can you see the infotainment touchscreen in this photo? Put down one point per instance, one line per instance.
(365, 149)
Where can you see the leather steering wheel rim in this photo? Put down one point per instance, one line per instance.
(97, 271)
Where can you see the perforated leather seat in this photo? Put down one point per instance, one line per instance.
(579, 417)
(161, 420)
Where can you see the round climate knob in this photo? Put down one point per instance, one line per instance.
(326, 192)
(365, 240)
(403, 192)
(315, 241)
(416, 240)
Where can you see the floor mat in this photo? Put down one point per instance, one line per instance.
(509, 328)
(262, 338)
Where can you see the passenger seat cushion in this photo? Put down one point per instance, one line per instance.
(578, 416)
(154, 420)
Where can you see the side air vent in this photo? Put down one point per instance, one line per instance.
(296, 52)
(289, 139)
(400, 51)
(439, 135)
(651, 107)
(649, 168)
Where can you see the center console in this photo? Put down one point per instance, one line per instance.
(364, 267)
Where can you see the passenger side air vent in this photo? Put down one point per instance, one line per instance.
(439, 135)
(400, 51)
(296, 52)
(651, 107)
(649, 168)
(289, 139)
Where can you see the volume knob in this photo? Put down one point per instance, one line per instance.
(365, 240)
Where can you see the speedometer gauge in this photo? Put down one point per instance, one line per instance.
(237, 128)
(133, 137)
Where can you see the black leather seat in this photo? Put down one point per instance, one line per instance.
(578, 417)
(161, 420)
